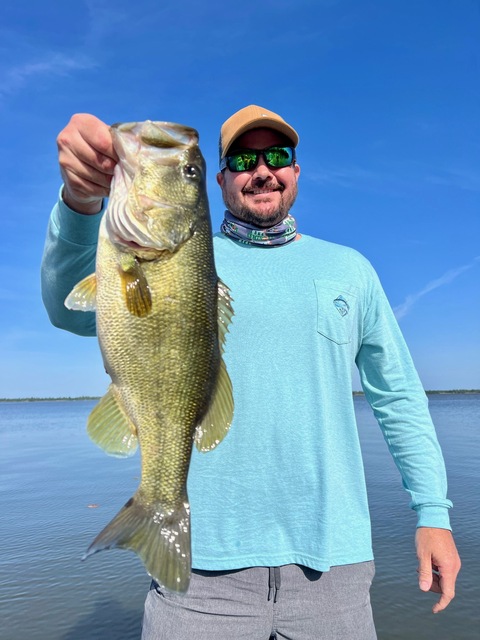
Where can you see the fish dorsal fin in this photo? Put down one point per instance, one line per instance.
(83, 295)
(110, 427)
(216, 422)
(136, 290)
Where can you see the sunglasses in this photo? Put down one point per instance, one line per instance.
(247, 159)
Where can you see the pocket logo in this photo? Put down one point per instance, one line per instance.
(341, 305)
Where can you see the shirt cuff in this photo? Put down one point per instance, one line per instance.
(433, 516)
(74, 227)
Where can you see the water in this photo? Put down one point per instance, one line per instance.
(57, 490)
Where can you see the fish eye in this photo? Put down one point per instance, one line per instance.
(191, 171)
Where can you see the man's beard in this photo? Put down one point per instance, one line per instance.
(266, 219)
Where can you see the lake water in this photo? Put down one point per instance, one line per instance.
(57, 490)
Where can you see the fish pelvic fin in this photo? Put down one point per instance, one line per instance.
(159, 536)
(83, 295)
(136, 290)
(110, 427)
(216, 422)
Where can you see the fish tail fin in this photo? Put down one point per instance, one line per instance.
(160, 536)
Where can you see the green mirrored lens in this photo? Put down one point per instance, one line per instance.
(278, 156)
(247, 159)
(244, 161)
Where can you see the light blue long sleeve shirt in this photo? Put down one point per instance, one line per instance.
(287, 483)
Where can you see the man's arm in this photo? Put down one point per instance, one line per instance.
(394, 391)
(87, 160)
(68, 257)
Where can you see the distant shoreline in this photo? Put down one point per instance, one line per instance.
(429, 392)
(66, 399)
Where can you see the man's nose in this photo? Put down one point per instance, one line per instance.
(262, 170)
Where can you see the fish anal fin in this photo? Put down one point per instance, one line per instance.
(110, 427)
(159, 536)
(83, 295)
(135, 288)
(216, 422)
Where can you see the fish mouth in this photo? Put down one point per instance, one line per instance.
(164, 135)
(162, 142)
(132, 138)
(138, 143)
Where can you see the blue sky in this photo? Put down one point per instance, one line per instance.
(385, 95)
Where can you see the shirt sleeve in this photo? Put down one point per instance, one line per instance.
(400, 405)
(68, 257)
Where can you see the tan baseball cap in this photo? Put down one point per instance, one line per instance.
(252, 117)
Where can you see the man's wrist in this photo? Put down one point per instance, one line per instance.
(87, 207)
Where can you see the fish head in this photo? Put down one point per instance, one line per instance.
(159, 187)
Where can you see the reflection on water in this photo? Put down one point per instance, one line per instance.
(50, 475)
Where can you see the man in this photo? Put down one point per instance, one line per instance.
(281, 533)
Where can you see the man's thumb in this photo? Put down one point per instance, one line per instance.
(424, 576)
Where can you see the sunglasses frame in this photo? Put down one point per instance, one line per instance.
(224, 163)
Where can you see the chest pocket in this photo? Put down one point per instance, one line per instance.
(336, 311)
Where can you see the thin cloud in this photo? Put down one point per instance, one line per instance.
(350, 177)
(465, 179)
(403, 309)
(55, 64)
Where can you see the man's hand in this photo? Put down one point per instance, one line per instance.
(87, 160)
(439, 564)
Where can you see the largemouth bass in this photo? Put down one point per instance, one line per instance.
(162, 315)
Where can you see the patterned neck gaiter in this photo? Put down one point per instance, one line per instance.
(283, 232)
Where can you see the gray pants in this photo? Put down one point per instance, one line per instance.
(290, 602)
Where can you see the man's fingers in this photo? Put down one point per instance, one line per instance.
(94, 133)
(77, 173)
(75, 152)
(446, 586)
(436, 587)
(444, 601)
(84, 190)
(87, 161)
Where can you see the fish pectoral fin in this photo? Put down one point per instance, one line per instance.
(83, 295)
(159, 536)
(216, 423)
(110, 427)
(136, 290)
(225, 312)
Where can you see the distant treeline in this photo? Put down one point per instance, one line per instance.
(431, 392)
(355, 393)
(49, 399)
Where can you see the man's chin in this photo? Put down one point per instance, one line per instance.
(260, 214)
(263, 219)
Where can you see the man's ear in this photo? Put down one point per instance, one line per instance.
(220, 179)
